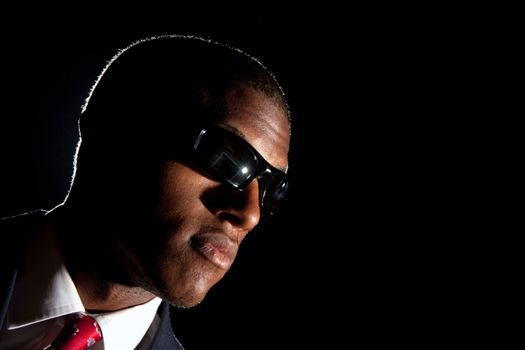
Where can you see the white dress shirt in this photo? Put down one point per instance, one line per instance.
(45, 293)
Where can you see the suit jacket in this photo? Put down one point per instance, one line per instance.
(15, 231)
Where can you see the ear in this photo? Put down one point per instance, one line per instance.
(95, 126)
(94, 131)
(85, 125)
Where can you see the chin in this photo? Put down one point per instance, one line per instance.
(182, 276)
(186, 302)
(189, 289)
(187, 298)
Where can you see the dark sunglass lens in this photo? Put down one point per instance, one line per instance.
(226, 158)
(273, 190)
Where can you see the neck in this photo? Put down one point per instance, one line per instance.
(98, 272)
(103, 296)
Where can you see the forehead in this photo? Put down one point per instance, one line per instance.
(261, 121)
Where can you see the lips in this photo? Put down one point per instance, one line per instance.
(216, 248)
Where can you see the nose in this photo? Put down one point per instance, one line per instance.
(240, 208)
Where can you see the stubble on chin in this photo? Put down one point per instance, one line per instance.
(186, 284)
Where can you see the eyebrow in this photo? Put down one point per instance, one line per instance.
(241, 135)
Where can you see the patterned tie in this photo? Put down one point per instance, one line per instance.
(80, 332)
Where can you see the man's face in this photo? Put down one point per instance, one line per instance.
(200, 222)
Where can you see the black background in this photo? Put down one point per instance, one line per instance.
(348, 259)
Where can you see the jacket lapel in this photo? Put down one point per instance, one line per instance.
(164, 337)
(7, 285)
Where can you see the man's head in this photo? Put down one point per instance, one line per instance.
(183, 140)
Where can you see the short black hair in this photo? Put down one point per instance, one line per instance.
(164, 82)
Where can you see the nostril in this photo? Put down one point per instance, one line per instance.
(232, 218)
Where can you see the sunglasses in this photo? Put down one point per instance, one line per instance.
(231, 160)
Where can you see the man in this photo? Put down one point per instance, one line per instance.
(184, 147)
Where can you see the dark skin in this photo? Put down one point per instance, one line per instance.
(169, 259)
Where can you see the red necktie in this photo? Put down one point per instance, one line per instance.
(80, 332)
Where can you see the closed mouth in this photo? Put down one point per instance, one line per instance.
(216, 247)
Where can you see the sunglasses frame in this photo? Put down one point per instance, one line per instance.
(263, 169)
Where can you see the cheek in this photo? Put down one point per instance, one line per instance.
(180, 191)
(179, 273)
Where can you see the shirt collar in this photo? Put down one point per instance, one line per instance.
(124, 329)
(44, 289)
